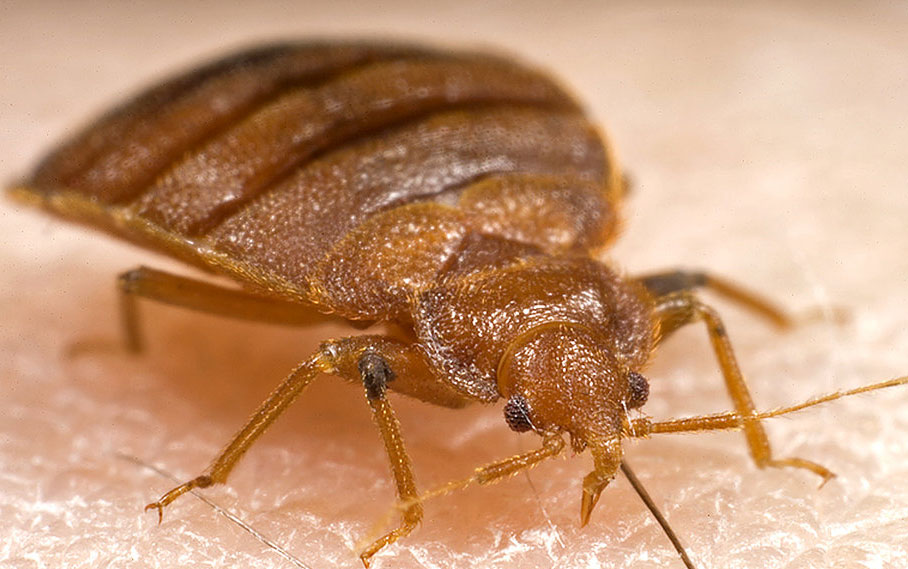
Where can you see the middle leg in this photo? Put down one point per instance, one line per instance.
(678, 281)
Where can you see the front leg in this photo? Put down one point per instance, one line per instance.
(373, 361)
(682, 308)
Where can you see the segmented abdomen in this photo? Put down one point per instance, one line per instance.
(261, 163)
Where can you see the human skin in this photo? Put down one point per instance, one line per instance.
(766, 144)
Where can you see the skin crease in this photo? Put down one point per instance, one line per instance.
(766, 145)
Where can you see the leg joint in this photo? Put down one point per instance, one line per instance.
(375, 373)
(126, 281)
(679, 280)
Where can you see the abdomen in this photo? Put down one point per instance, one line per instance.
(269, 164)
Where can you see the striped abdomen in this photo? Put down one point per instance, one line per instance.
(296, 168)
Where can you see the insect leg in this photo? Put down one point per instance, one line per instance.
(377, 361)
(204, 297)
(267, 412)
(681, 308)
(505, 468)
(668, 282)
(491, 473)
(375, 375)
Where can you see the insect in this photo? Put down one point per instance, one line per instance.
(457, 201)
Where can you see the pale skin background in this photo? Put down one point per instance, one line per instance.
(767, 144)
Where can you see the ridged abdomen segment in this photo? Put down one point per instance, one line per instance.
(293, 226)
(266, 163)
(117, 156)
(289, 133)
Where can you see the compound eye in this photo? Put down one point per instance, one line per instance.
(517, 414)
(638, 390)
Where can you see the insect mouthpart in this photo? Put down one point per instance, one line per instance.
(607, 454)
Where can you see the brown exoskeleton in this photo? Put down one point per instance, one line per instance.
(461, 197)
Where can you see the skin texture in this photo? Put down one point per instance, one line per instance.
(766, 145)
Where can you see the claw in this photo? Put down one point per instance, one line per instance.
(203, 481)
(826, 479)
(160, 508)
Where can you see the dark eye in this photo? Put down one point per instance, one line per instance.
(638, 390)
(517, 414)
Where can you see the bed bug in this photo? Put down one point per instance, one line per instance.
(461, 198)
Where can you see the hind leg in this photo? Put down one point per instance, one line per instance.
(202, 296)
